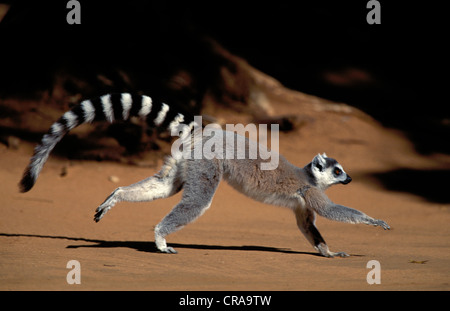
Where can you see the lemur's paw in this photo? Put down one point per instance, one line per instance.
(110, 201)
(168, 250)
(324, 251)
(382, 224)
(338, 254)
(100, 212)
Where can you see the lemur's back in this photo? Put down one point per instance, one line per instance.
(245, 172)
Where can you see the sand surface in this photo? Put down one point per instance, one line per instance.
(238, 244)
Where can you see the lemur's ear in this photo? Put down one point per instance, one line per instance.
(319, 161)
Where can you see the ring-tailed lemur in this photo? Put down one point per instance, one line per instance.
(300, 189)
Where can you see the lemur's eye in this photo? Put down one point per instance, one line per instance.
(337, 171)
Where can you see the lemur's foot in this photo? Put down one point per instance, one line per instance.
(324, 251)
(105, 206)
(168, 250)
(101, 211)
(338, 254)
(161, 244)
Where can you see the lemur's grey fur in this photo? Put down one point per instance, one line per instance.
(300, 189)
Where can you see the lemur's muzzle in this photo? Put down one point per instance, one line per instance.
(347, 180)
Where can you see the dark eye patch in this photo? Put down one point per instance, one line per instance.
(337, 171)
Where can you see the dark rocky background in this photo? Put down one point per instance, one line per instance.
(394, 71)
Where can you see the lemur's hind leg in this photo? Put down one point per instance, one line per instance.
(305, 222)
(199, 189)
(162, 185)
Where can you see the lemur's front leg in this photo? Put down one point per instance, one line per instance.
(346, 214)
(322, 205)
(305, 222)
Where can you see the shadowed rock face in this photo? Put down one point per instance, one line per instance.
(430, 184)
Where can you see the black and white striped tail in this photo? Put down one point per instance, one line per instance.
(110, 107)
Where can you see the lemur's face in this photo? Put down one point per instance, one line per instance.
(328, 172)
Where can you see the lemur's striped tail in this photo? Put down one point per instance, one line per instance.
(109, 107)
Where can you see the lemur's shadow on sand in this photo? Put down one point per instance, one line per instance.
(151, 248)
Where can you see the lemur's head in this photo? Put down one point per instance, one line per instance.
(327, 171)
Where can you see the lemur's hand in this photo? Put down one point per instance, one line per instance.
(382, 224)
